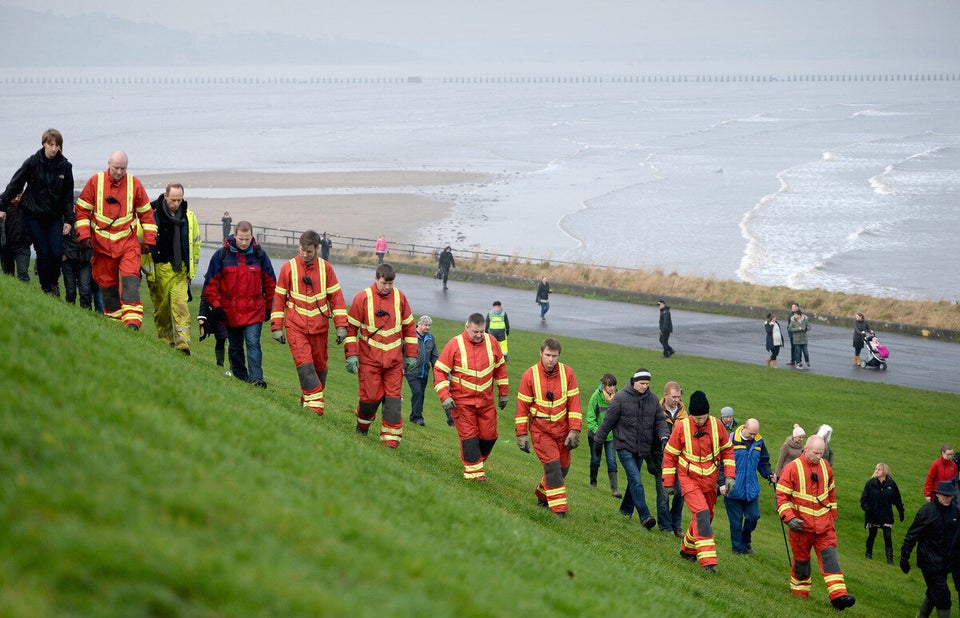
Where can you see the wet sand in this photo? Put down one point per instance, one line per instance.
(361, 210)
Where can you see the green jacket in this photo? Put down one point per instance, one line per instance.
(595, 411)
(799, 329)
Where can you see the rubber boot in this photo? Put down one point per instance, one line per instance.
(889, 555)
(943, 613)
(593, 477)
(856, 360)
(613, 485)
(925, 607)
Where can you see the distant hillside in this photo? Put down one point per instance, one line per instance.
(98, 40)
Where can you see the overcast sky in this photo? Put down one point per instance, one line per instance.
(701, 28)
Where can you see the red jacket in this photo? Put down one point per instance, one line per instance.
(240, 282)
(469, 372)
(814, 501)
(940, 470)
(307, 307)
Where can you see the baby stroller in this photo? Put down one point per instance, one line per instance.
(877, 351)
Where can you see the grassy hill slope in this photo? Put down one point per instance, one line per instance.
(137, 481)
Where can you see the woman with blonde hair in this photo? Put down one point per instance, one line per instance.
(880, 495)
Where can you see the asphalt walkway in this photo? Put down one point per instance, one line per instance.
(914, 361)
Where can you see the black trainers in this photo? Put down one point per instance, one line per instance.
(542, 504)
(261, 383)
(649, 523)
(361, 431)
(842, 603)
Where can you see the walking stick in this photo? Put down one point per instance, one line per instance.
(782, 529)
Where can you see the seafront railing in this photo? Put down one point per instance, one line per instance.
(212, 233)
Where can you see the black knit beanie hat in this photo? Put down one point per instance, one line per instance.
(698, 404)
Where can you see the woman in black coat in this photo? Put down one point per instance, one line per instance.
(46, 182)
(879, 496)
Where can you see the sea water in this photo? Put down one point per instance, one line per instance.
(847, 186)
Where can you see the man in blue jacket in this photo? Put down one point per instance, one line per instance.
(743, 502)
(418, 375)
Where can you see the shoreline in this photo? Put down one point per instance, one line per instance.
(394, 212)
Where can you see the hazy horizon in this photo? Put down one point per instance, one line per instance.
(431, 31)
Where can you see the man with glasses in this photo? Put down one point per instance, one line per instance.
(467, 376)
(807, 502)
(381, 343)
(306, 298)
(110, 207)
(549, 415)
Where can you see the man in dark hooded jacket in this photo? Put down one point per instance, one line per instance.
(934, 531)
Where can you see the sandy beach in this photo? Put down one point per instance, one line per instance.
(391, 202)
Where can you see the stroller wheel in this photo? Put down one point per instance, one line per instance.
(863, 364)
(883, 366)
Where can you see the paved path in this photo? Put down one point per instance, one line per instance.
(914, 361)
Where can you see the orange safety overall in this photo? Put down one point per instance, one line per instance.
(690, 465)
(548, 406)
(469, 372)
(307, 296)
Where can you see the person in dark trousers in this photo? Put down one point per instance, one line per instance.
(14, 244)
(934, 531)
(543, 298)
(227, 223)
(77, 277)
(419, 374)
(445, 264)
(860, 329)
(666, 327)
(879, 496)
(325, 245)
(45, 185)
(211, 326)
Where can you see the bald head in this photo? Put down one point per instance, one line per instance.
(117, 165)
(813, 449)
(750, 429)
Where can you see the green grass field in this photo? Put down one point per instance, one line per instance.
(135, 481)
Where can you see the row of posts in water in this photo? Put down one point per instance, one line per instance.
(544, 79)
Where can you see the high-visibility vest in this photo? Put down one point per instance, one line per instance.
(497, 322)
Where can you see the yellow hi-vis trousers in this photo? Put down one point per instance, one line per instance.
(171, 315)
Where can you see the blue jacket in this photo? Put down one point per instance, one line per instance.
(750, 458)
(427, 355)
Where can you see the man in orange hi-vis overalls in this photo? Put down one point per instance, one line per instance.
(698, 444)
(307, 296)
(108, 210)
(548, 413)
(381, 343)
(466, 375)
(807, 501)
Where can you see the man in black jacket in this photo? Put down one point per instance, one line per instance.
(934, 532)
(638, 426)
(666, 327)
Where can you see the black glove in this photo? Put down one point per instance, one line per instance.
(203, 330)
(901, 515)
(904, 565)
(85, 244)
(218, 314)
(795, 524)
